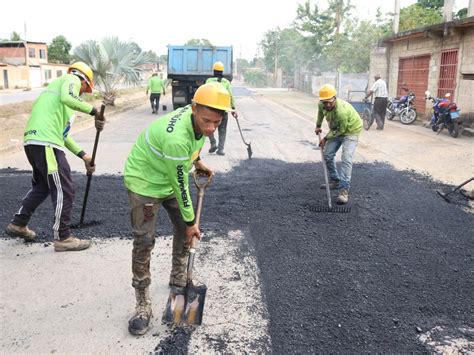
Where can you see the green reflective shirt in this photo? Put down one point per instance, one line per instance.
(53, 114)
(159, 163)
(226, 84)
(343, 120)
(156, 85)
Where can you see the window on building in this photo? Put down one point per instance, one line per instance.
(42, 53)
(47, 74)
(59, 73)
(31, 53)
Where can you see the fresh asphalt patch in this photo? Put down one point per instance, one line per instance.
(398, 266)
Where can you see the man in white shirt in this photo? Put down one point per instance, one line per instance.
(379, 90)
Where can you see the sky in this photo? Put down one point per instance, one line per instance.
(155, 24)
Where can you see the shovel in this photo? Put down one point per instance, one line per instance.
(189, 308)
(249, 147)
(89, 175)
(330, 207)
(444, 195)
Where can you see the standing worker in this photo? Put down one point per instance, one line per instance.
(218, 68)
(156, 173)
(379, 90)
(46, 137)
(156, 86)
(345, 126)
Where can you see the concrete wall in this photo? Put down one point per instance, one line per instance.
(56, 71)
(36, 47)
(378, 65)
(12, 55)
(465, 86)
(17, 76)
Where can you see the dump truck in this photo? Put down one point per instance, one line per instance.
(190, 66)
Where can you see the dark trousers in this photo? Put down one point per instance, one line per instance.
(380, 110)
(51, 176)
(155, 101)
(222, 130)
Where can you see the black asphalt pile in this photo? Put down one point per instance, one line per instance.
(371, 280)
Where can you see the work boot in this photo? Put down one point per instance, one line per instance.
(18, 231)
(343, 197)
(333, 185)
(153, 112)
(140, 322)
(213, 148)
(220, 152)
(71, 244)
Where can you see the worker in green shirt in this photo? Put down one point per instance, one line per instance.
(345, 126)
(46, 138)
(156, 87)
(218, 69)
(156, 174)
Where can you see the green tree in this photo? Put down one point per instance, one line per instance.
(15, 36)
(198, 42)
(461, 13)
(58, 50)
(431, 4)
(114, 63)
(415, 16)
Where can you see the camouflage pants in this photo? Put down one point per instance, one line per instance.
(143, 216)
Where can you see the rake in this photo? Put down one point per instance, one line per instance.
(329, 208)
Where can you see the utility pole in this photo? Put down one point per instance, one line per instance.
(448, 10)
(28, 83)
(396, 16)
(470, 9)
(276, 62)
(338, 24)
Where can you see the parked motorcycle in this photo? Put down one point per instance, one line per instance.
(403, 108)
(445, 114)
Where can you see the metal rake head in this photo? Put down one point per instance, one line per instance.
(334, 209)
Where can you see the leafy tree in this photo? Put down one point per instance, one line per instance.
(415, 16)
(15, 36)
(58, 50)
(461, 13)
(198, 42)
(431, 4)
(113, 63)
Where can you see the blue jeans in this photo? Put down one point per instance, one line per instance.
(349, 144)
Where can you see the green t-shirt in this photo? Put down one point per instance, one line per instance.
(226, 84)
(159, 163)
(53, 114)
(343, 120)
(156, 85)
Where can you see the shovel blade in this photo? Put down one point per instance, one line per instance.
(249, 151)
(186, 309)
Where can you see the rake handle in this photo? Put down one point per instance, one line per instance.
(326, 179)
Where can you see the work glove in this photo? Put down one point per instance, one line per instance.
(99, 121)
(318, 130)
(234, 113)
(87, 161)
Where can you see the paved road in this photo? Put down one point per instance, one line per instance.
(15, 96)
(280, 279)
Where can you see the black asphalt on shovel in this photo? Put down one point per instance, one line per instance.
(330, 207)
(89, 175)
(189, 308)
(444, 195)
(249, 146)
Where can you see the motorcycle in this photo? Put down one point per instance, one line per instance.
(445, 114)
(403, 108)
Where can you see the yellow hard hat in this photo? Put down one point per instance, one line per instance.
(213, 95)
(79, 68)
(327, 92)
(219, 66)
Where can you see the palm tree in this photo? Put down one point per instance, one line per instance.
(114, 63)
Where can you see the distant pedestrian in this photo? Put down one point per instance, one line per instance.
(218, 68)
(156, 87)
(46, 138)
(379, 90)
(345, 126)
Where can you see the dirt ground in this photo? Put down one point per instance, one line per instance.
(393, 275)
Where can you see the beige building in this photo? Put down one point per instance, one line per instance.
(438, 58)
(25, 65)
